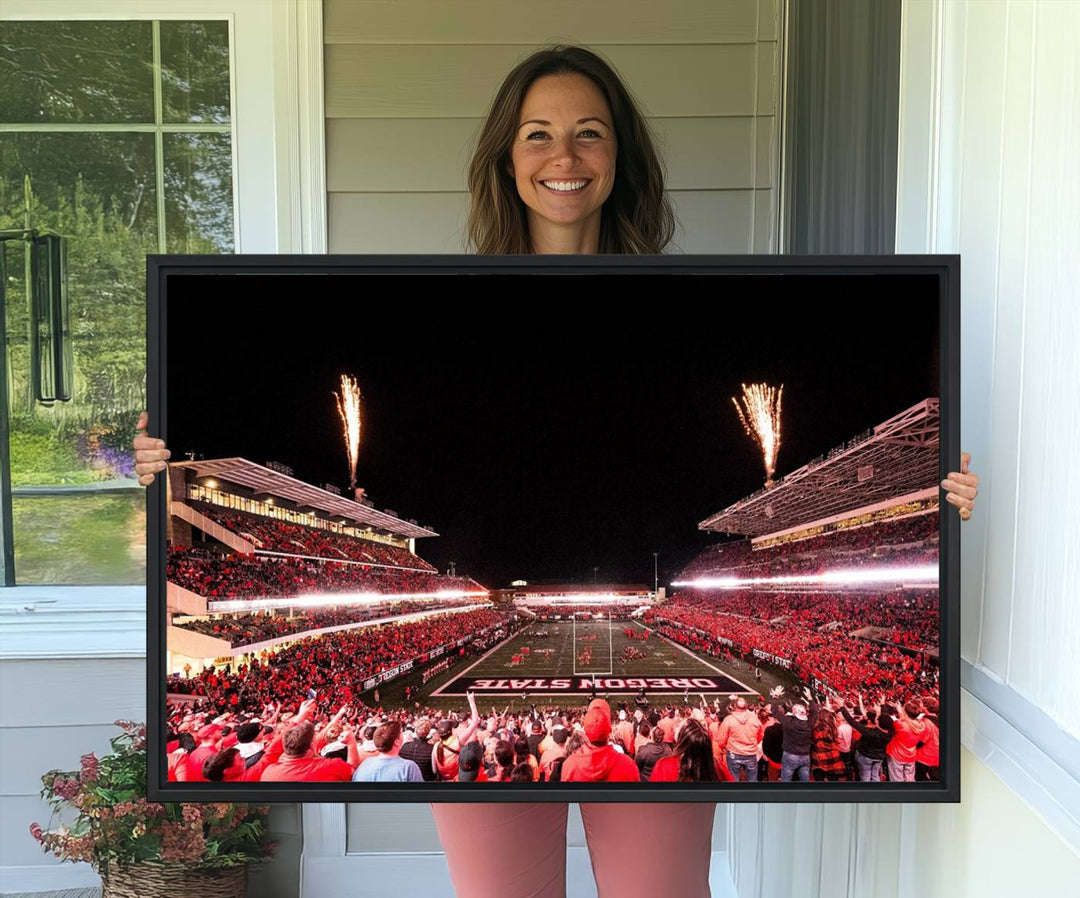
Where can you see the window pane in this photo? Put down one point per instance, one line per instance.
(76, 72)
(195, 72)
(97, 190)
(81, 540)
(79, 516)
(198, 193)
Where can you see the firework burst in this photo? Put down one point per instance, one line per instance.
(760, 417)
(348, 406)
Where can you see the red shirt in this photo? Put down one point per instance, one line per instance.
(599, 763)
(666, 770)
(189, 770)
(271, 755)
(907, 734)
(307, 770)
(481, 776)
(177, 759)
(928, 753)
(548, 759)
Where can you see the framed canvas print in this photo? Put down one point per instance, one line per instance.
(463, 528)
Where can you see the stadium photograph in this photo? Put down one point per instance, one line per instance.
(497, 542)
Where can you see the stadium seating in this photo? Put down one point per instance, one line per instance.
(334, 664)
(245, 629)
(273, 535)
(219, 576)
(908, 541)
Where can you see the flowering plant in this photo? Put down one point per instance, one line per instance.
(115, 824)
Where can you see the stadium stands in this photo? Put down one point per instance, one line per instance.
(908, 541)
(273, 535)
(246, 629)
(218, 576)
(335, 664)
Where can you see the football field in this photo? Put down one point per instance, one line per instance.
(575, 656)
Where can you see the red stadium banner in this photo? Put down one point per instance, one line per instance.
(435, 670)
(771, 658)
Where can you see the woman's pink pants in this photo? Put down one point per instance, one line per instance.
(652, 850)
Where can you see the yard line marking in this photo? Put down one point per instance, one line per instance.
(477, 661)
(698, 658)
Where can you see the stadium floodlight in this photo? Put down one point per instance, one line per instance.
(586, 598)
(323, 600)
(855, 577)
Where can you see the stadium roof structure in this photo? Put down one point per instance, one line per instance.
(262, 480)
(896, 459)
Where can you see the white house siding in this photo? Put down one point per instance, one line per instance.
(408, 84)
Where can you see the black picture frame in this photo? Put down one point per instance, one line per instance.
(946, 268)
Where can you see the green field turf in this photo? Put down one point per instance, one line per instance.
(663, 659)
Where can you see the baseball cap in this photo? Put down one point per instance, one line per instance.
(472, 755)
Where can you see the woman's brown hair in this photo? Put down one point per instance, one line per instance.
(637, 216)
(694, 750)
(504, 758)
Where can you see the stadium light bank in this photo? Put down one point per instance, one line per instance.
(587, 598)
(342, 598)
(923, 574)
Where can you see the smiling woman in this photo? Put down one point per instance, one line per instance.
(565, 164)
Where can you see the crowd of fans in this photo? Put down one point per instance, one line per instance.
(858, 638)
(781, 740)
(245, 629)
(811, 634)
(336, 664)
(908, 541)
(914, 613)
(275, 535)
(232, 576)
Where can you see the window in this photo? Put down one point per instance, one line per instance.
(116, 135)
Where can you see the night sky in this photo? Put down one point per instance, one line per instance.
(544, 426)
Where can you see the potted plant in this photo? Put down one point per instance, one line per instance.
(142, 848)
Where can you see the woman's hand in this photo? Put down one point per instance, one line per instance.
(962, 487)
(151, 456)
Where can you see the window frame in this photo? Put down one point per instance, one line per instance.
(277, 119)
